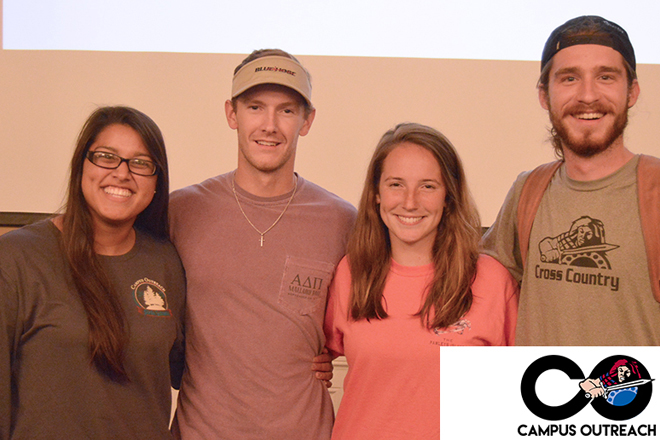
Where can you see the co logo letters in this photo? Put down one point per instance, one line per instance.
(624, 385)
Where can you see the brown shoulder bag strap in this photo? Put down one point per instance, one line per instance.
(648, 193)
(530, 199)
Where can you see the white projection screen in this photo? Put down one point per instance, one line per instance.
(468, 69)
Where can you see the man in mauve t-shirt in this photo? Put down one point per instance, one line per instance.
(259, 245)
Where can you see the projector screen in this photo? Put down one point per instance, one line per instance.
(478, 29)
(468, 69)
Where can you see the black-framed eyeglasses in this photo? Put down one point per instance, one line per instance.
(111, 161)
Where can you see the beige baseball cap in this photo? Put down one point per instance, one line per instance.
(273, 69)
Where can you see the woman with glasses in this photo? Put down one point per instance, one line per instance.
(412, 281)
(91, 301)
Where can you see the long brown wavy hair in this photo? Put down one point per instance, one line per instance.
(108, 332)
(455, 250)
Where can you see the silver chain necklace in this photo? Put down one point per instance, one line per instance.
(261, 234)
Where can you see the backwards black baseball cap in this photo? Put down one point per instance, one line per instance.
(589, 29)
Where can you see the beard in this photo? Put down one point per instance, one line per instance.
(586, 145)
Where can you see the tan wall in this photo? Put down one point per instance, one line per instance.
(4, 229)
(489, 110)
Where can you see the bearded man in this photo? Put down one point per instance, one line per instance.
(588, 82)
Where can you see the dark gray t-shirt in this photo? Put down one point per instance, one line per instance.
(48, 388)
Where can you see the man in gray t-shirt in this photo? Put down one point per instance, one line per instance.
(259, 246)
(585, 278)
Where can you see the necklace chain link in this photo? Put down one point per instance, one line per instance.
(261, 234)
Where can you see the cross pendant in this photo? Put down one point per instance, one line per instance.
(262, 240)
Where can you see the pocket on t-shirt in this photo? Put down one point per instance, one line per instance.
(304, 285)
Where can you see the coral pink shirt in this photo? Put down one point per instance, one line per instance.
(392, 389)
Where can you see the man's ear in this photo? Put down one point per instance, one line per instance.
(230, 112)
(308, 123)
(633, 93)
(544, 98)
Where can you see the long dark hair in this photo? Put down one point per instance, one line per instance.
(108, 332)
(455, 250)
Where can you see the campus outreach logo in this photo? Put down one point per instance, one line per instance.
(618, 388)
(583, 245)
(150, 298)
